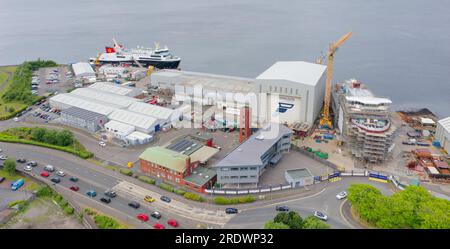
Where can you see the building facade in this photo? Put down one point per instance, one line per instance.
(246, 163)
(83, 119)
(443, 133)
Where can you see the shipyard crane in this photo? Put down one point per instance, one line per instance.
(325, 120)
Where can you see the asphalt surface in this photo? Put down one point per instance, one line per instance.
(324, 201)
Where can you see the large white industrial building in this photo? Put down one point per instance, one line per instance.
(127, 118)
(443, 133)
(84, 71)
(287, 92)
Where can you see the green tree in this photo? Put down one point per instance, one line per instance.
(312, 222)
(434, 214)
(38, 134)
(366, 200)
(291, 218)
(10, 166)
(275, 225)
(64, 138)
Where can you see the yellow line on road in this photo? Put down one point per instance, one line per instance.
(342, 214)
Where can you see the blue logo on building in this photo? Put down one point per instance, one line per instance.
(283, 107)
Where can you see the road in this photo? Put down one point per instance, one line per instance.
(324, 201)
(99, 179)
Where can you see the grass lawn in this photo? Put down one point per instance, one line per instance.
(4, 107)
(9, 177)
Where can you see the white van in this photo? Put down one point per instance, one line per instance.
(49, 168)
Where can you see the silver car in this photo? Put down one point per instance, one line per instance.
(341, 195)
(320, 215)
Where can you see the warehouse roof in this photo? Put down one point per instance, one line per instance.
(154, 111)
(83, 69)
(298, 173)
(132, 118)
(106, 97)
(445, 123)
(116, 89)
(209, 81)
(83, 114)
(83, 103)
(139, 135)
(166, 158)
(296, 71)
(250, 152)
(203, 154)
(117, 126)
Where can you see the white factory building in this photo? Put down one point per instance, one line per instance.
(84, 71)
(443, 133)
(287, 92)
(127, 118)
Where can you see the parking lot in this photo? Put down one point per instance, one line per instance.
(54, 80)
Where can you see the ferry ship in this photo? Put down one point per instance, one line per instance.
(141, 56)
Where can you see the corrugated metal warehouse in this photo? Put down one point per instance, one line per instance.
(83, 70)
(83, 119)
(288, 91)
(443, 133)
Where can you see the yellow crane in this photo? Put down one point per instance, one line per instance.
(325, 120)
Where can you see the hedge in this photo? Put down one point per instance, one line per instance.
(166, 187)
(105, 222)
(44, 191)
(69, 210)
(16, 202)
(12, 139)
(147, 179)
(236, 200)
(179, 192)
(13, 114)
(126, 172)
(194, 197)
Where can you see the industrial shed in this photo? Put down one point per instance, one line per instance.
(300, 87)
(83, 70)
(116, 89)
(299, 177)
(157, 112)
(109, 98)
(443, 133)
(66, 100)
(119, 129)
(83, 119)
(137, 137)
(141, 122)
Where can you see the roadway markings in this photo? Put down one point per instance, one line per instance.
(342, 215)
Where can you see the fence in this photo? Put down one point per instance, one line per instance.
(317, 158)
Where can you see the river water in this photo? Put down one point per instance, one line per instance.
(400, 48)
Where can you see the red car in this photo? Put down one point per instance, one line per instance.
(158, 226)
(74, 188)
(45, 174)
(172, 223)
(142, 217)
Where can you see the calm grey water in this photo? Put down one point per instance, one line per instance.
(400, 48)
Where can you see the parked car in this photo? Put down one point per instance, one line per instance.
(28, 168)
(341, 195)
(32, 164)
(1, 179)
(282, 208)
(91, 193)
(165, 198)
(74, 179)
(110, 193)
(55, 180)
(320, 215)
(49, 168)
(142, 217)
(172, 223)
(158, 226)
(60, 173)
(134, 205)
(45, 174)
(101, 143)
(75, 188)
(3, 157)
(231, 210)
(21, 160)
(105, 200)
(148, 198)
(156, 215)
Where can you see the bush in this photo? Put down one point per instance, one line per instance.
(166, 187)
(69, 210)
(194, 197)
(58, 198)
(275, 225)
(147, 179)
(179, 192)
(236, 200)
(16, 202)
(44, 191)
(105, 222)
(10, 166)
(89, 211)
(63, 203)
(126, 172)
